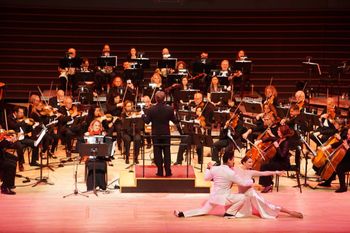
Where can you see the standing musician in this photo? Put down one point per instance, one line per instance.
(230, 135)
(271, 95)
(161, 132)
(344, 164)
(96, 129)
(281, 159)
(106, 73)
(67, 129)
(23, 127)
(132, 133)
(8, 162)
(57, 101)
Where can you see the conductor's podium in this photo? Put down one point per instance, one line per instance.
(144, 180)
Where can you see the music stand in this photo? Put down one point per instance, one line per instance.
(199, 67)
(41, 179)
(221, 116)
(95, 151)
(134, 74)
(70, 62)
(136, 124)
(186, 115)
(187, 95)
(221, 96)
(252, 107)
(174, 78)
(143, 63)
(245, 66)
(107, 61)
(167, 63)
(312, 69)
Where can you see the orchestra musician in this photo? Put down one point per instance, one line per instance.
(104, 74)
(34, 100)
(281, 159)
(238, 79)
(44, 116)
(266, 121)
(8, 162)
(215, 87)
(67, 74)
(132, 54)
(57, 101)
(344, 164)
(188, 140)
(66, 127)
(130, 133)
(297, 122)
(300, 100)
(230, 135)
(329, 123)
(271, 95)
(23, 127)
(161, 132)
(96, 129)
(201, 65)
(148, 104)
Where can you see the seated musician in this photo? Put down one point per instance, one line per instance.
(202, 64)
(300, 100)
(57, 101)
(130, 133)
(271, 95)
(176, 89)
(156, 80)
(344, 164)
(328, 124)
(96, 129)
(264, 121)
(148, 105)
(195, 139)
(104, 74)
(230, 135)
(67, 74)
(44, 116)
(68, 126)
(8, 162)
(132, 54)
(280, 161)
(215, 87)
(34, 100)
(24, 127)
(297, 122)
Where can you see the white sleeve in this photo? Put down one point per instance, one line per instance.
(208, 176)
(235, 178)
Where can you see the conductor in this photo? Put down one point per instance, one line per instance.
(160, 115)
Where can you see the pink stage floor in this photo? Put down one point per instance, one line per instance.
(44, 211)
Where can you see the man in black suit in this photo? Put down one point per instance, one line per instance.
(57, 101)
(160, 115)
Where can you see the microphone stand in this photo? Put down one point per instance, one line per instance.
(76, 191)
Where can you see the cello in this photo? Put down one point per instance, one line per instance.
(321, 156)
(335, 158)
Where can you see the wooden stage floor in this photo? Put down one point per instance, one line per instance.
(43, 208)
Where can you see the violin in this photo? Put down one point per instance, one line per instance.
(9, 135)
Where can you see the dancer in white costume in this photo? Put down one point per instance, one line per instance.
(223, 178)
(254, 203)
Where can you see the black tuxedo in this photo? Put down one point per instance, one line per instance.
(160, 115)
